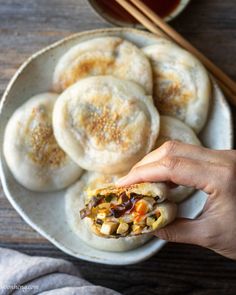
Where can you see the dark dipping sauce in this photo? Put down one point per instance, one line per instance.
(162, 7)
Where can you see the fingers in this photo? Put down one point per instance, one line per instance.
(182, 171)
(183, 230)
(179, 149)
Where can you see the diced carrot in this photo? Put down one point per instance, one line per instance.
(141, 207)
(137, 218)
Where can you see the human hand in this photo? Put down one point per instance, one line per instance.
(211, 171)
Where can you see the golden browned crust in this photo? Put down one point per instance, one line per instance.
(44, 150)
(103, 124)
(145, 188)
(84, 69)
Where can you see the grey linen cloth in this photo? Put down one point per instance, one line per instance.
(23, 274)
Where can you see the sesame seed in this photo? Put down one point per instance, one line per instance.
(44, 149)
(103, 124)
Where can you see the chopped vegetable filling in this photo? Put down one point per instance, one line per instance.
(119, 215)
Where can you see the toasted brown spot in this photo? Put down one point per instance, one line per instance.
(44, 149)
(103, 125)
(171, 100)
(98, 64)
(84, 68)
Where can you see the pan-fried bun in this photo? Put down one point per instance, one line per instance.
(105, 124)
(118, 212)
(31, 150)
(174, 129)
(182, 88)
(103, 56)
(76, 198)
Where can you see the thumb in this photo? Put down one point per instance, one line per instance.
(182, 230)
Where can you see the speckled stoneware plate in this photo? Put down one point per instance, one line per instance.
(45, 211)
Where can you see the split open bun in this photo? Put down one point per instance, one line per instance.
(118, 212)
(76, 198)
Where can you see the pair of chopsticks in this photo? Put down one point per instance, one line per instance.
(151, 21)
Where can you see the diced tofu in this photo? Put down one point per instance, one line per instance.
(122, 228)
(104, 206)
(155, 224)
(136, 229)
(108, 228)
(101, 215)
(127, 218)
(150, 221)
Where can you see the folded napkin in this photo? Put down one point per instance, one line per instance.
(23, 274)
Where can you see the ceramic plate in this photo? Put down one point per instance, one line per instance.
(45, 211)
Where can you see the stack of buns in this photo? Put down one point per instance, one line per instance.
(112, 103)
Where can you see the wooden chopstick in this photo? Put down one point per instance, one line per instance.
(140, 17)
(225, 82)
(156, 25)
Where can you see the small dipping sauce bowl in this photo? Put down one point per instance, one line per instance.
(111, 11)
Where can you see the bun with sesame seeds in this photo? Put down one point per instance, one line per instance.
(105, 124)
(31, 151)
(103, 56)
(181, 85)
